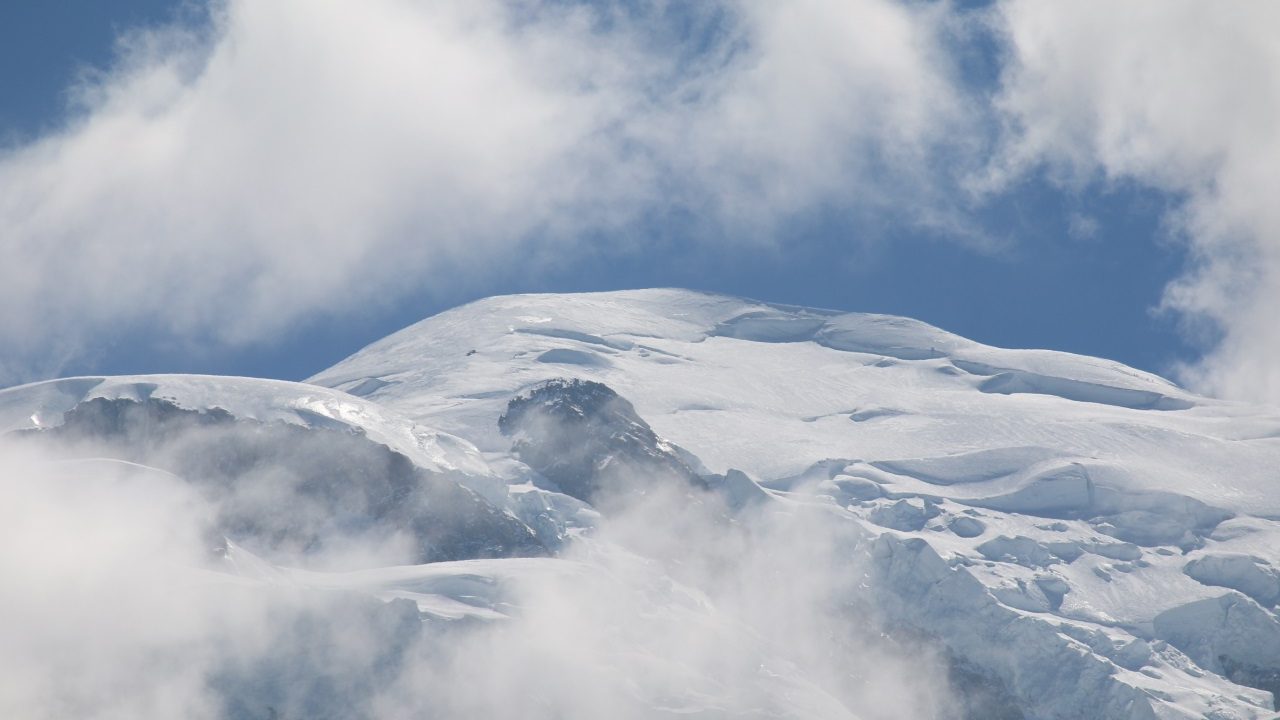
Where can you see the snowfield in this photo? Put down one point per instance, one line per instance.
(857, 516)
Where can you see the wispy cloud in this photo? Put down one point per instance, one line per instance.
(1180, 97)
(125, 610)
(90, 550)
(292, 160)
(297, 158)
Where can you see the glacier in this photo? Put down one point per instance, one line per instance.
(666, 502)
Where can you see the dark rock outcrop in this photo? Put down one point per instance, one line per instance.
(590, 442)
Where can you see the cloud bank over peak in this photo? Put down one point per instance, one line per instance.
(296, 158)
(287, 161)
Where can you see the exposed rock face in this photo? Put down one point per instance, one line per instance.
(291, 491)
(590, 442)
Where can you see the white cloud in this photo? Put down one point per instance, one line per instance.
(844, 103)
(1183, 97)
(305, 156)
(760, 617)
(319, 149)
(95, 549)
(124, 610)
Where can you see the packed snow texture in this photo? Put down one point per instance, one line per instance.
(742, 510)
(1064, 502)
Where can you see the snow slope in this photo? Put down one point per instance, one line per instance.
(43, 405)
(1100, 540)
(860, 516)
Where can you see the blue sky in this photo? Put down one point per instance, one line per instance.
(264, 192)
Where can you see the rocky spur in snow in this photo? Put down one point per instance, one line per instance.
(589, 442)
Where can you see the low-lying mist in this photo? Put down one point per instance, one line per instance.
(121, 603)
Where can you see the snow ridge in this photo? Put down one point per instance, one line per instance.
(741, 509)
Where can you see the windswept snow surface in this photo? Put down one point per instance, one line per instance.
(861, 516)
(1097, 540)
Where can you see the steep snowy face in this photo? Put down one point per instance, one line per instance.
(1093, 540)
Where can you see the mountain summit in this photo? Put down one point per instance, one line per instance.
(663, 502)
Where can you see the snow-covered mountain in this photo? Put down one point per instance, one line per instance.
(660, 502)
